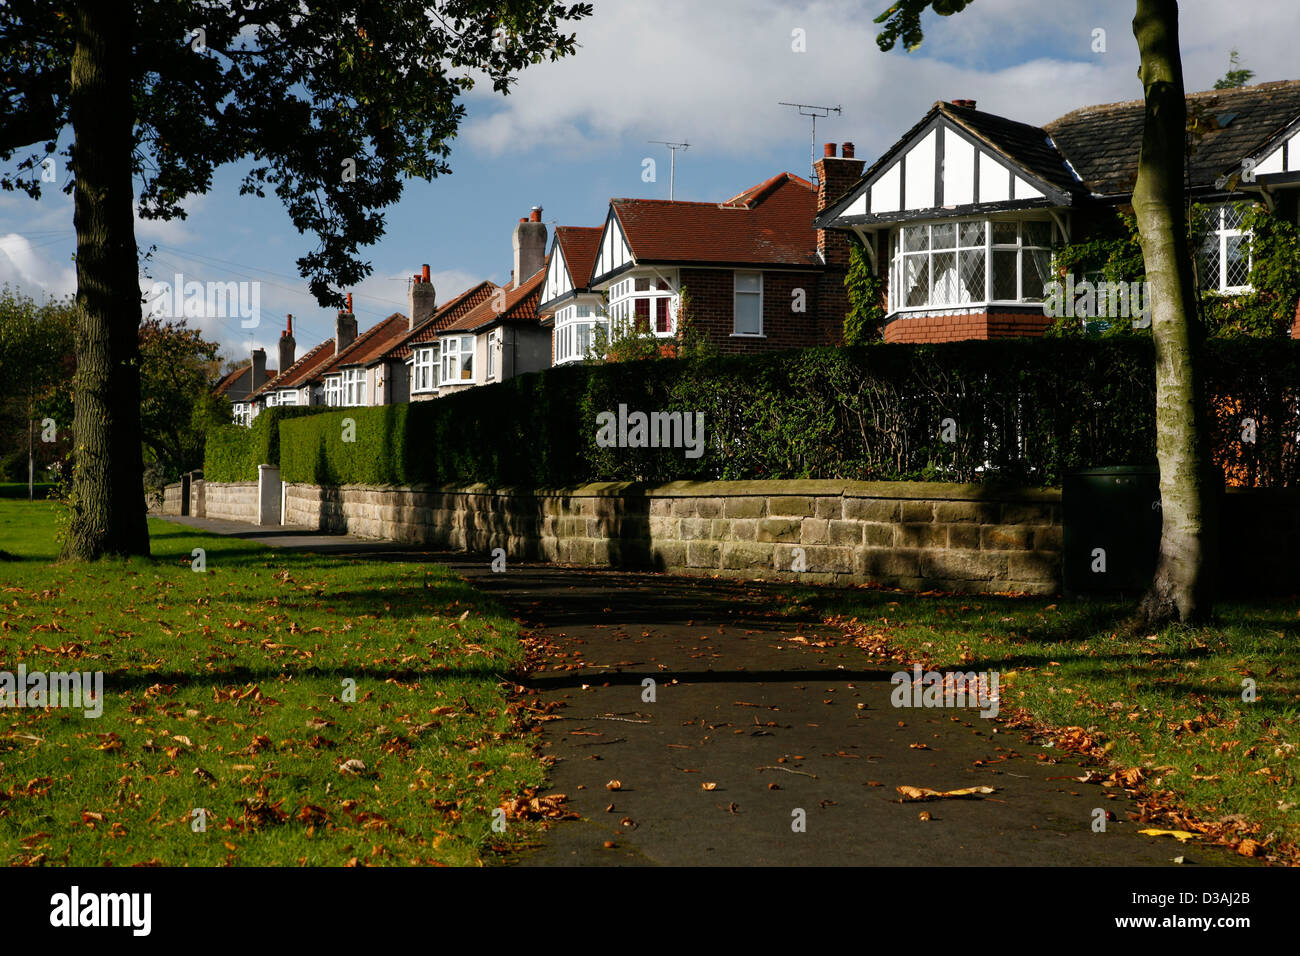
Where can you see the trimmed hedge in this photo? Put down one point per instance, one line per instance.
(233, 452)
(18, 489)
(1020, 411)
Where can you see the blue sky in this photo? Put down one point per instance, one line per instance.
(574, 134)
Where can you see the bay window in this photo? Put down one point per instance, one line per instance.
(424, 368)
(354, 386)
(575, 327)
(969, 262)
(648, 303)
(457, 359)
(334, 390)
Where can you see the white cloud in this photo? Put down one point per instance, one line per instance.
(713, 73)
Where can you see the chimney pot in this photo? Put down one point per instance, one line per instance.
(424, 272)
(535, 215)
(846, 150)
(349, 303)
(828, 150)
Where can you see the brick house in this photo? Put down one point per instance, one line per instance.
(418, 354)
(758, 274)
(961, 216)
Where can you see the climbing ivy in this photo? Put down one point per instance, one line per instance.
(865, 320)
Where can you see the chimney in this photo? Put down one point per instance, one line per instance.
(834, 177)
(423, 300)
(259, 370)
(345, 328)
(287, 345)
(530, 246)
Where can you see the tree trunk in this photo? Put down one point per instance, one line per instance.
(108, 507)
(1183, 586)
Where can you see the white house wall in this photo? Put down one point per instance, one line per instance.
(614, 251)
(968, 173)
(558, 280)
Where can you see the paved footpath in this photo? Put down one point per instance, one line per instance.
(751, 730)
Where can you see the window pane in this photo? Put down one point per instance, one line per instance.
(1037, 234)
(917, 281)
(945, 278)
(1004, 276)
(916, 238)
(971, 272)
(748, 281)
(943, 235)
(1208, 262)
(642, 314)
(747, 316)
(1232, 215)
(1038, 263)
(467, 366)
(642, 285)
(972, 234)
(1238, 265)
(662, 323)
(1004, 233)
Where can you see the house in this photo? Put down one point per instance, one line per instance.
(567, 304)
(501, 336)
(961, 216)
(243, 383)
(758, 275)
(417, 353)
(293, 385)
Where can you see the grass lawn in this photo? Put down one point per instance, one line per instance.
(228, 691)
(1165, 708)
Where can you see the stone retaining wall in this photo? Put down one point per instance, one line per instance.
(904, 534)
(233, 501)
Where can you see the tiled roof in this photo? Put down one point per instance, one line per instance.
(1029, 147)
(448, 313)
(372, 346)
(300, 371)
(520, 305)
(236, 381)
(1102, 142)
(769, 224)
(379, 334)
(580, 245)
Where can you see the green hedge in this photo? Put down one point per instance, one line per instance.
(1019, 411)
(233, 452)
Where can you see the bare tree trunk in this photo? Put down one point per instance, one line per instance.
(108, 507)
(1183, 586)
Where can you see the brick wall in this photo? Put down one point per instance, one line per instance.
(969, 325)
(712, 293)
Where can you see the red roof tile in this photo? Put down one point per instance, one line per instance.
(579, 245)
(520, 305)
(448, 313)
(381, 335)
(768, 224)
(235, 378)
(300, 371)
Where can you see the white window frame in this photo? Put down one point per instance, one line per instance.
(1024, 253)
(736, 293)
(424, 369)
(455, 349)
(623, 296)
(287, 397)
(1223, 234)
(575, 329)
(493, 371)
(334, 390)
(353, 387)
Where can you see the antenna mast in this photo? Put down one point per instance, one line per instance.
(813, 111)
(672, 163)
